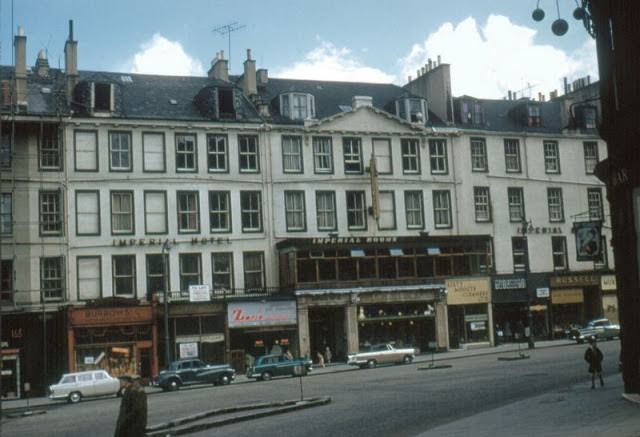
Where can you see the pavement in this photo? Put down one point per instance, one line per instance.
(574, 411)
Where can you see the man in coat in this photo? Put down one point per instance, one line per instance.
(594, 357)
(132, 420)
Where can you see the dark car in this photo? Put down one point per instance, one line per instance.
(193, 371)
(268, 366)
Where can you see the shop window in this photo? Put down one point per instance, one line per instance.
(406, 267)
(387, 266)
(347, 269)
(187, 325)
(425, 266)
(443, 266)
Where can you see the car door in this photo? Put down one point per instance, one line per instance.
(184, 370)
(198, 371)
(86, 384)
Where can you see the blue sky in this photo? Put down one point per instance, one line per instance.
(492, 45)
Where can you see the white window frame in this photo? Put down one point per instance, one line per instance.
(248, 154)
(382, 152)
(326, 210)
(251, 211)
(356, 210)
(479, 160)
(217, 272)
(551, 157)
(555, 203)
(386, 210)
(438, 156)
(352, 153)
(442, 209)
(89, 270)
(153, 152)
(186, 152)
(128, 276)
(322, 155)
(297, 106)
(595, 205)
(87, 212)
(410, 155)
(559, 253)
(292, 154)
(120, 155)
(515, 196)
(590, 156)
(121, 211)
(155, 212)
(52, 278)
(188, 209)
(220, 207)
(520, 254)
(482, 204)
(512, 162)
(217, 153)
(294, 209)
(50, 207)
(414, 209)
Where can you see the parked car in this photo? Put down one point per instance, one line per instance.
(268, 366)
(75, 386)
(600, 329)
(193, 371)
(382, 354)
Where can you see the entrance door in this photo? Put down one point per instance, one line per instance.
(327, 329)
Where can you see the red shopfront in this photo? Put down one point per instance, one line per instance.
(119, 339)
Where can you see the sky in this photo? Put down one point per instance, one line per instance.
(492, 46)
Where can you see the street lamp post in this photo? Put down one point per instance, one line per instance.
(165, 289)
(530, 339)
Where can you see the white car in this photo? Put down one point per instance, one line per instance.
(75, 386)
(382, 354)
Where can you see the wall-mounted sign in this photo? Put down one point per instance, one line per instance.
(570, 295)
(188, 350)
(542, 292)
(199, 293)
(574, 280)
(509, 283)
(608, 283)
(539, 230)
(244, 314)
(467, 291)
(110, 316)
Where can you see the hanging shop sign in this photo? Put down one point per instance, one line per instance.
(245, 314)
(588, 240)
(467, 291)
(608, 283)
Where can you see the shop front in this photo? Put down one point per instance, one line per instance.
(510, 299)
(119, 336)
(469, 312)
(10, 373)
(575, 299)
(609, 288)
(261, 327)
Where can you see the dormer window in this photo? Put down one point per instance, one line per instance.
(225, 103)
(533, 116)
(297, 106)
(102, 97)
(471, 112)
(586, 117)
(412, 110)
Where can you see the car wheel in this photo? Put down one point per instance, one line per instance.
(371, 364)
(407, 359)
(173, 385)
(266, 376)
(75, 397)
(224, 380)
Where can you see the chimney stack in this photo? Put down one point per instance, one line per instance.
(262, 76)
(71, 63)
(20, 43)
(509, 94)
(439, 61)
(219, 68)
(250, 87)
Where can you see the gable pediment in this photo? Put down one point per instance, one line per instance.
(365, 119)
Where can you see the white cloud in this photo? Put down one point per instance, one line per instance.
(161, 56)
(327, 62)
(499, 57)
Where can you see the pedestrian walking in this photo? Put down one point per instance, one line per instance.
(327, 355)
(132, 420)
(320, 359)
(594, 357)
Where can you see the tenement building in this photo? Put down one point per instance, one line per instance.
(146, 218)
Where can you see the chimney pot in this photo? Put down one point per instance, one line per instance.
(438, 59)
(409, 79)
(248, 54)
(20, 31)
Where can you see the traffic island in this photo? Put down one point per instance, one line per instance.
(432, 366)
(226, 416)
(518, 357)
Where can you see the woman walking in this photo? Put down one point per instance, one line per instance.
(594, 357)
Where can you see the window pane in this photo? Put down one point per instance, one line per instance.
(326, 210)
(153, 146)
(512, 155)
(356, 218)
(410, 156)
(122, 212)
(155, 205)
(219, 211)
(248, 153)
(87, 213)
(438, 156)
(251, 210)
(124, 275)
(189, 270)
(482, 204)
(382, 151)
(516, 204)
(89, 278)
(551, 157)
(186, 157)
(387, 218)
(352, 155)
(292, 154)
(6, 214)
(413, 208)
(50, 213)
(120, 150)
(478, 155)
(188, 214)
(322, 155)
(442, 208)
(222, 271)
(294, 210)
(51, 274)
(217, 152)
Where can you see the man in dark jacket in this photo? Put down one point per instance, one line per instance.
(132, 420)
(594, 357)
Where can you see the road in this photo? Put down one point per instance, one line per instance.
(386, 401)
